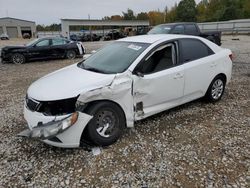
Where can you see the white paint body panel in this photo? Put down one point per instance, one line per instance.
(66, 83)
(70, 138)
(158, 91)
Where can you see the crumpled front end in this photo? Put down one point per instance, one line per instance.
(60, 131)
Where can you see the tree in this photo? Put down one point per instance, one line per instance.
(201, 12)
(40, 27)
(156, 17)
(142, 16)
(129, 15)
(106, 18)
(186, 11)
(116, 17)
(165, 13)
(171, 15)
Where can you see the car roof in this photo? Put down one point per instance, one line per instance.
(51, 38)
(150, 39)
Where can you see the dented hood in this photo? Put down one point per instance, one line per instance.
(66, 83)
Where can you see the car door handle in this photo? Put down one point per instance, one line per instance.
(178, 75)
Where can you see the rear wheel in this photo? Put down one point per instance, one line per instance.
(18, 59)
(216, 89)
(71, 54)
(107, 124)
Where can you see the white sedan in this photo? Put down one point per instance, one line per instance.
(127, 80)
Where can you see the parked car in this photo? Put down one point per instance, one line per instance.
(4, 36)
(26, 36)
(114, 35)
(84, 37)
(75, 37)
(126, 81)
(43, 48)
(187, 29)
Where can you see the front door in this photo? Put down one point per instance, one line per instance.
(41, 50)
(158, 82)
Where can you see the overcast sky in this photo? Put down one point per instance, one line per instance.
(51, 11)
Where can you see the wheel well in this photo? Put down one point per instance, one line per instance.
(109, 101)
(223, 76)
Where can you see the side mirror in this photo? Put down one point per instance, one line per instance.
(139, 74)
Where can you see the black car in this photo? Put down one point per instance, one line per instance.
(43, 48)
(187, 28)
(114, 35)
(75, 37)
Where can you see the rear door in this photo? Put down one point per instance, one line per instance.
(58, 47)
(199, 67)
(191, 29)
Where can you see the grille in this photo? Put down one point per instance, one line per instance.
(31, 104)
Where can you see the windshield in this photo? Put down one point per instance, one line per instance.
(32, 42)
(160, 29)
(114, 58)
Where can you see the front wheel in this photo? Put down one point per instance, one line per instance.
(71, 54)
(216, 89)
(18, 59)
(107, 124)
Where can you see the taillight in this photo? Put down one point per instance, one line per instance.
(231, 56)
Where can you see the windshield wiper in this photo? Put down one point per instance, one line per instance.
(93, 69)
(83, 66)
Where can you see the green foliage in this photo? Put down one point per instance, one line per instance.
(186, 11)
(52, 27)
(142, 16)
(129, 15)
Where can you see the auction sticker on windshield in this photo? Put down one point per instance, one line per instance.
(134, 47)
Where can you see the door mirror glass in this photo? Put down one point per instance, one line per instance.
(139, 74)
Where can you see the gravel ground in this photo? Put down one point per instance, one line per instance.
(195, 145)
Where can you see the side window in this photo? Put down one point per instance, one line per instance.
(193, 49)
(56, 42)
(162, 58)
(191, 29)
(43, 43)
(179, 29)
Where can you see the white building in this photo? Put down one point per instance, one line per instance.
(15, 28)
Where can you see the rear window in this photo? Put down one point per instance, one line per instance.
(56, 42)
(191, 29)
(193, 49)
(161, 29)
(179, 29)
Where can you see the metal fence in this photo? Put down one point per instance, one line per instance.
(227, 27)
(58, 33)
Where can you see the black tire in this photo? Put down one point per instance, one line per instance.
(71, 54)
(18, 59)
(107, 123)
(216, 89)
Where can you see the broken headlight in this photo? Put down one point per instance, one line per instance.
(51, 129)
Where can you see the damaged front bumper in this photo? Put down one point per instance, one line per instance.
(62, 131)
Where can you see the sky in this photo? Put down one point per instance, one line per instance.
(51, 11)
